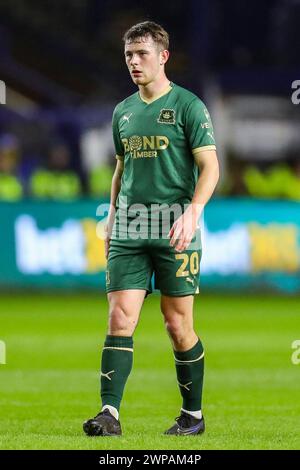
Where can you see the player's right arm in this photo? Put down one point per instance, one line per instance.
(115, 189)
(116, 179)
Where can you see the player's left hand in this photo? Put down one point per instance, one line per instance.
(184, 228)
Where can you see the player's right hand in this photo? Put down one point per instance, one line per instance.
(106, 242)
(107, 237)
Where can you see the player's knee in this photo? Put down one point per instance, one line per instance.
(176, 328)
(119, 321)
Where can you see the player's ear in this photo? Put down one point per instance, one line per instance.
(164, 56)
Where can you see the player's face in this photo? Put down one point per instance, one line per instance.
(143, 60)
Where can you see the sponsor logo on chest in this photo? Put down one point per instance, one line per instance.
(145, 146)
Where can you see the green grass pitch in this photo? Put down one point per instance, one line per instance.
(50, 382)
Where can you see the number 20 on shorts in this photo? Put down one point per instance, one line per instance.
(192, 260)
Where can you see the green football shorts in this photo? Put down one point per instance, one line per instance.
(131, 264)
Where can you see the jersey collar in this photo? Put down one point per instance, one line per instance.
(167, 90)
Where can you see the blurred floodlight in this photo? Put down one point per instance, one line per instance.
(2, 92)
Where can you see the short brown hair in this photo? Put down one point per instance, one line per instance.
(148, 28)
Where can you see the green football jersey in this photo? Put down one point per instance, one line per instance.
(157, 142)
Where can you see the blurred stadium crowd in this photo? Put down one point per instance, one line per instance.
(63, 66)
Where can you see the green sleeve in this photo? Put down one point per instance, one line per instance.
(198, 127)
(116, 135)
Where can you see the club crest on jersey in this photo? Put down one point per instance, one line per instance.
(166, 116)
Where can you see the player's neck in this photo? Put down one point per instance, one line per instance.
(154, 89)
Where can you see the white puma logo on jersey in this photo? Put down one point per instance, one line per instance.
(185, 385)
(126, 118)
(107, 374)
(190, 280)
(206, 114)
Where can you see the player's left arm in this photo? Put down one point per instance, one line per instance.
(200, 137)
(207, 162)
(184, 228)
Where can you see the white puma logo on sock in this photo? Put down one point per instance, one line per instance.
(107, 374)
(185, 385)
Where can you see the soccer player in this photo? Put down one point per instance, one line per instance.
(166, 155)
